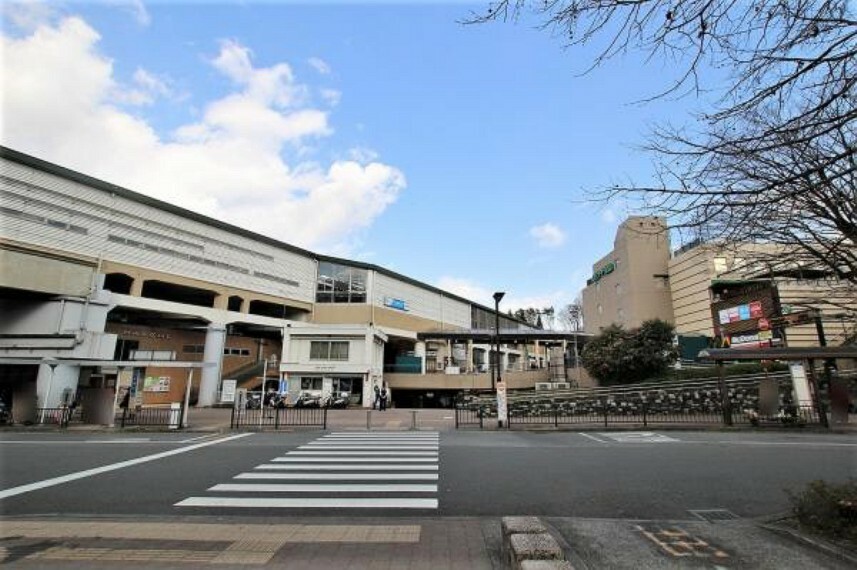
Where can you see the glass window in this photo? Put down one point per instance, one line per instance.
(319, 350)
(328, 350)
(310, 383)
(339, 350)
(720, 264)
(340, 284)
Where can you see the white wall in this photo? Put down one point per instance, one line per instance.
(50, 211)
(421, 302)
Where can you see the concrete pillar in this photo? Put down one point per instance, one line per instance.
(50, 389)
(420, 351)
(221, 301)
(215, 341)
(469, 367)
(137, 287)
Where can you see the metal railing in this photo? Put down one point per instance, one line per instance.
(170, 417)
(695, 402)
(277, 418)
(469, 416)
(54, 416)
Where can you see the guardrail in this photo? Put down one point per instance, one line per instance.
(277, 418)
(54, 416)
(169, 417)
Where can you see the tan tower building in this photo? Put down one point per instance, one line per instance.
(630, 285)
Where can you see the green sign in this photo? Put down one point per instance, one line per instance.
(606, 270)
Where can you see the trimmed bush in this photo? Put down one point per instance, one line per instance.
(828, 509)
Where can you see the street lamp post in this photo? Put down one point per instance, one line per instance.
(498, 296)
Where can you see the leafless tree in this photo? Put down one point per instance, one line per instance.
(773, 162)
(571, 316)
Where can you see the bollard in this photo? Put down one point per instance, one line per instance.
(368, 420)
(413, 419)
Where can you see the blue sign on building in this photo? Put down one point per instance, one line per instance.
(397, 304)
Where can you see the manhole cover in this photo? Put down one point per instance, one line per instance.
(714, 515)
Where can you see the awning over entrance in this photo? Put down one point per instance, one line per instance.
(780, 353)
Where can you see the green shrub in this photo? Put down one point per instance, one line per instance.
(828, 509)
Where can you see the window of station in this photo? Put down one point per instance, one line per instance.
(236, 351)
(194, 348)
(311, 383)
(328, 350)
(340, 284)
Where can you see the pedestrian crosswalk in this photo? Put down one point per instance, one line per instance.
(365, 470)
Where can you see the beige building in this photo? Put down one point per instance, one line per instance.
(107, 291)
(641, 279)
(629, 285)
(699, 270)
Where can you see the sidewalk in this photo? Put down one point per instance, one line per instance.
(430, 543)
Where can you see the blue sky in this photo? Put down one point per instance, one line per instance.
(386, 132)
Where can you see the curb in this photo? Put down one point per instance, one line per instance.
(531, 546)
(818, 544)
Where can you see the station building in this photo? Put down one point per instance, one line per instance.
(104, 290)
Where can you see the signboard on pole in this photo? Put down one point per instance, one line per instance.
(227, 391)
(502, 413)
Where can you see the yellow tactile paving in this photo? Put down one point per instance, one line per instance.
(212, 532)
(121, 554)
(144, 531)
(241, 543)
(347, 533)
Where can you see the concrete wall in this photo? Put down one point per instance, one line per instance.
(43, 272)
(49, 210)
(514, 380)
(636, 289)
(419, 302)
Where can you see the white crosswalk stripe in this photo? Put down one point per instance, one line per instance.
(366, 470)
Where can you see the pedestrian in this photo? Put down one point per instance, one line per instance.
(383, 398)
(377, 401)
(125, 400)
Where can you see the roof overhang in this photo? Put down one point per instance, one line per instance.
(108, 363)
(779, 353)
(505, 336)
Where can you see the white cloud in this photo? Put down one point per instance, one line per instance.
(331, 96)
(548, 235)
(319, 65)
(227, 164)
(147, 87)
(25, 16)
(138, 9)
(362, 155)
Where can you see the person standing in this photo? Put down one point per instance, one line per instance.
(383, 398)
(376, 403)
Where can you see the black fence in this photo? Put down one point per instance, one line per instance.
(470, 416)
(155, 417)
(690, 403)
(278, 418)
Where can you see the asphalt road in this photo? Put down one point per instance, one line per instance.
(663, 475)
